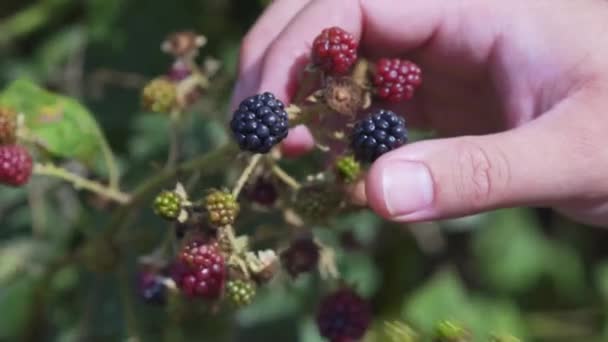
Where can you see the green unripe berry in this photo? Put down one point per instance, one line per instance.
(168, 205)
(348, 169)
(159, 96)
(240, 292)
(222, 208)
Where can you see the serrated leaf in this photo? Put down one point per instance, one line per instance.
(63, 126)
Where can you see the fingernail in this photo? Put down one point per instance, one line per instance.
(407, 187)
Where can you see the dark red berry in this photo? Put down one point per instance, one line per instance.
(151, 288)
(15, 165)
(302, 256)
(334, 51)
(204, 273)
(396, 80)
(263, 192)
(343, 316)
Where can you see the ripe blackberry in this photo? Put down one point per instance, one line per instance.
(205, 272)
(15, 165)
(240, 292)
(334, 51)
(260, 123)
(348, 169)
(222, 208)
(302, 256)
(168, 205)
(151, 288)
(395, 79)
(377, 134)
(8, 126)
(343, 316)
(159, 96)
(263, 192)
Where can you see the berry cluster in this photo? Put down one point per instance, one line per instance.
(215, 262)
(15, 160)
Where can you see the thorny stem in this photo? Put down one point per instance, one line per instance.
(240, 183)
(285, 177)
(80, 182)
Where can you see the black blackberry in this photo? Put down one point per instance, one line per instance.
(259, 123)
(377, 134)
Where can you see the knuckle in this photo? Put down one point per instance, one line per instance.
(481, 173)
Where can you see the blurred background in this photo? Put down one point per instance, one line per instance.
(526, 272)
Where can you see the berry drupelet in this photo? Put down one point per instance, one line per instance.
(260, 123)
(395, 79)
(334, 51)
(377, 134)
(205, 272)
(343, 316)
(15, 165)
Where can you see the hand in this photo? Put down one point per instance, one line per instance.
(519, 89)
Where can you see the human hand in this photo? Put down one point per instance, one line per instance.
(518, 89)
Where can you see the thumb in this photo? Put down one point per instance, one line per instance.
(453, 177)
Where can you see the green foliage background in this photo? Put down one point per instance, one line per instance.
(527, 272)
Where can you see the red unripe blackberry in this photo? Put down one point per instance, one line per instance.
(15, 165)
(395, 79)
(205, 272)
(343, 316)
(334, 51)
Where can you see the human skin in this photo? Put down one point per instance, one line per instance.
(518, 91)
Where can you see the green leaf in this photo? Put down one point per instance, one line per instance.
(445, 298)
(15, 305)
(62, 125)
(566, 270)
(510, 251)
(442, 298)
